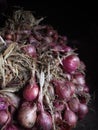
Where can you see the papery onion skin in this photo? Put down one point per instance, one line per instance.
(71, 63)
(13, 99)
(27, 115)
(51, 91)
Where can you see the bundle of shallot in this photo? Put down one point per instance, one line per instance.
(42, 79)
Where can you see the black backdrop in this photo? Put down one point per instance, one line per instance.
(78, 21)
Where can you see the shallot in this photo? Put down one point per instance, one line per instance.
(42, 79)
(27, 115)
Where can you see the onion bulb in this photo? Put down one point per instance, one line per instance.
(31, 91)
(71, 63)
(44, 121)
(70, 117)
(3, 117)
(27, 115)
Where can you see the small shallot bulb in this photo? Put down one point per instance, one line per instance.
(27, 115)
(71, 86)
(44, 121)
(74, 104)
(83, 110)
(63, 92)
(71, 63)
(70, 117)
(79, 79)
(31, 91)
(3, 117)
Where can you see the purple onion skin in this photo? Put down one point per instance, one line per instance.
(83, 110)
(71, 63)
(74, 104)
(44, 121)
(70, 117)
(71, 86)
(62, 90)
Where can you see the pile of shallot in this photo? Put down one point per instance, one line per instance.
(42, 79)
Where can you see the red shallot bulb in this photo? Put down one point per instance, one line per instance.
(71, 85)
(27, 115)
(44, 121)
(3, 117)
(63, 91)
(79, 79)
(83, 110)
(31, 91)
(71, 63)
(70, 117)
(74, 104)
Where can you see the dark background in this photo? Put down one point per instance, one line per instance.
(78, 21)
